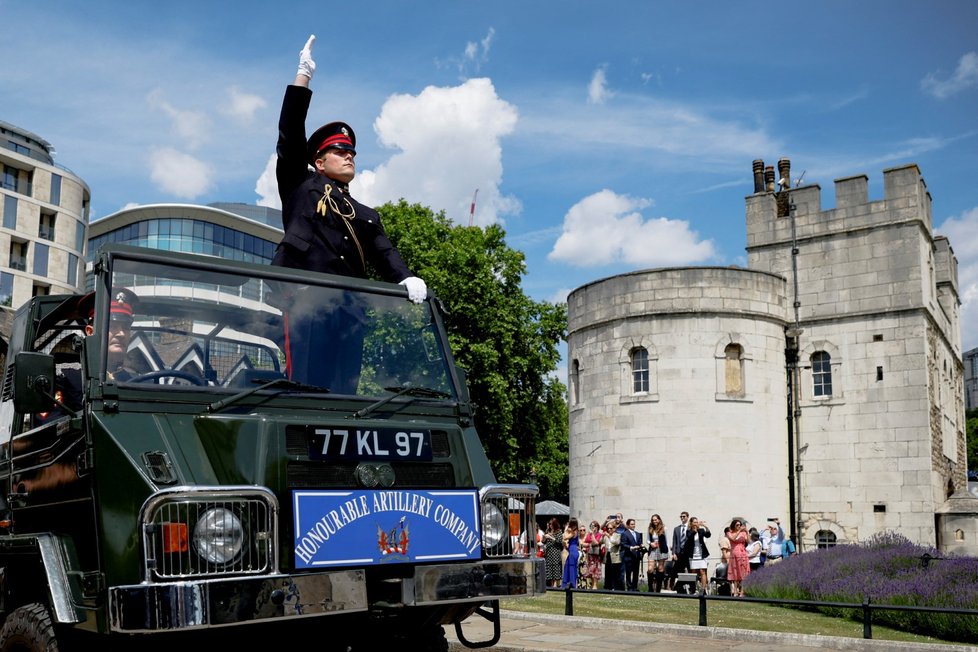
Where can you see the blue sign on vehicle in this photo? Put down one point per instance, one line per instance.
(344, 527)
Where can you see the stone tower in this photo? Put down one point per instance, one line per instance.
(878, 384)
(823, 385)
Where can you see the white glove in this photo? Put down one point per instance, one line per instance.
(417, 290)
(306, 65)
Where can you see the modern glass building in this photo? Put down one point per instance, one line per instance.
(234, 231)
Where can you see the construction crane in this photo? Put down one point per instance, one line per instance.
(472, 208)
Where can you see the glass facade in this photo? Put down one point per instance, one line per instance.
(191, 236)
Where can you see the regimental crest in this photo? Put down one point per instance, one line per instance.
(393, 543)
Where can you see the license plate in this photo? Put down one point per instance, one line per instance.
(389, 444)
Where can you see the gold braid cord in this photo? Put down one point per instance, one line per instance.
(328, 203)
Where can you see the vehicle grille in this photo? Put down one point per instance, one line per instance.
(515, 535)
(170, 543)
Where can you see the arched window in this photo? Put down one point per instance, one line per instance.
(575, 383)
(733, 369)
(821, 374)
(825, 539)
(640, 371)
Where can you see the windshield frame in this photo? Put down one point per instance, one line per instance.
(190, 276)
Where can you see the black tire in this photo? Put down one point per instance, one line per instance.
(433, 639)
(28, 629)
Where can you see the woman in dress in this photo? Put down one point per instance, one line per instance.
(738, 565)
(552, 546)
(696, 551)
(594, 543)
(571, 555)
(658, 554)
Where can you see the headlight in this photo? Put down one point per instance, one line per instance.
(494, 526)
(218, 536)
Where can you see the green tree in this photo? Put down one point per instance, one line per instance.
(971, 436)
(506, 341)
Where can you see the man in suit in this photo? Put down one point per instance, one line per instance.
(326, 230)
(679, 565)
(631, 554)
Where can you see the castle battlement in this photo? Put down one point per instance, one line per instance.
(769, 211)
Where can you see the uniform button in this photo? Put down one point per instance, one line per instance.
(342, 257)
(346, 237)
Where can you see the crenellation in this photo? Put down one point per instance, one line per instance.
(851, 191)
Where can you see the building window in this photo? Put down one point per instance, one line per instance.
(733, 370)
(6, 289)
(41, 259)
(825, 539)
(640, 371)
(575, 383)
(10, 212)
(80, 236)
(10, 178)
(45, 229)
(56, 189)
(18, 256)
(72, 269)
(822, 373)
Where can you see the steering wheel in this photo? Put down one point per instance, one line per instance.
(168, 373)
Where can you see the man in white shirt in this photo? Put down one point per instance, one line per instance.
(772, 540)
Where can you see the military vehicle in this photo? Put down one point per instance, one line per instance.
(192, 483)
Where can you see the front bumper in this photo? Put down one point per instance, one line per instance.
(192, 605)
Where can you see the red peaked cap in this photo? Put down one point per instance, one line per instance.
(335, 134)
(123, 305)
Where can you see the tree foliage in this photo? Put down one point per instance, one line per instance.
(506, 342)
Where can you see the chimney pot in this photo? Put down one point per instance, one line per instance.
(758, 175)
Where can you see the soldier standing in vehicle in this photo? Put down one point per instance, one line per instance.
(326, 230)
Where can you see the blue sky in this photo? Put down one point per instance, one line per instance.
(606, 138)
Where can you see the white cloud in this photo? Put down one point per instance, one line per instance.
(473, 56)
(179, 174)
(606, 228)
(962, 233)
(560, 295)
(965, 76)
(193, 128)
(449, 142)
(647, 131)
(242, 106)
(267, 186)
(597, 89)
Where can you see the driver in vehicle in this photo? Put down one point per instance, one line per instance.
(121, 315)
(67, 381)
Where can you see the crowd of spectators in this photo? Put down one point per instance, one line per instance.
(609, 554)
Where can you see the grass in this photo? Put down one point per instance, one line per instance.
(732, 613)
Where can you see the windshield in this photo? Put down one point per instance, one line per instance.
(239, 331)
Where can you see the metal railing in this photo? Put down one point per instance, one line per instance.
(866, 607)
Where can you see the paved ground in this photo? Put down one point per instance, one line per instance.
(524, 632)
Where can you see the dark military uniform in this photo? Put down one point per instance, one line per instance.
(326, 230)
(339, 242)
